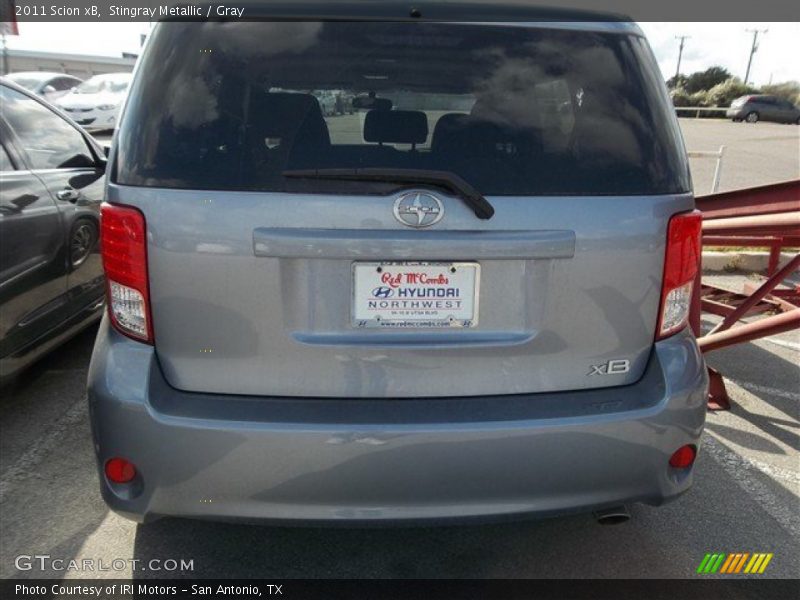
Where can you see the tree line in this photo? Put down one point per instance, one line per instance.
(716, 86)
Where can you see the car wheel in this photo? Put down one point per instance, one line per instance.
(752, 117)
(82, 241)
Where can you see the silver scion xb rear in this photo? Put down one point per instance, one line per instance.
(463, 295)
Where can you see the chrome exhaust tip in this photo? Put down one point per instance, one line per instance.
(612, 516)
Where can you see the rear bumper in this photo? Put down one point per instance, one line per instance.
(334, 460)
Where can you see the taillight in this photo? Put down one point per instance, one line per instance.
(124, 249)
(681, 264)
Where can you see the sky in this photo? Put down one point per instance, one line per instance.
(709, 44)
(728, 45)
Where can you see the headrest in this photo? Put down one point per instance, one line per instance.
(396, 126)
(287, 120)
(281, 113)
(448, 126)
(469, 136)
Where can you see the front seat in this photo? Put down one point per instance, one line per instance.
(286, 131)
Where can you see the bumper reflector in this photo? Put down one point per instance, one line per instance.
(683, 457)
(119, 470)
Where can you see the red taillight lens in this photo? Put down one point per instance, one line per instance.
(119, 470)
(681, 263)
(683, 457)
(123, 245)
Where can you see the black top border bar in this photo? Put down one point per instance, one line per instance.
(393, 10)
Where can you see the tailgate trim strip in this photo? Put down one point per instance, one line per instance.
(420, 340)
(386, 244)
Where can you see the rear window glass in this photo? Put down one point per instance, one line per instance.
(512, 110)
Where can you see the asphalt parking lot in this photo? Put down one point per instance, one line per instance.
(745, 497)
(755, 153)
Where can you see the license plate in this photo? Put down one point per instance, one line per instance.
(415, 294)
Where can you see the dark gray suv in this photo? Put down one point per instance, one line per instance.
(466, 299)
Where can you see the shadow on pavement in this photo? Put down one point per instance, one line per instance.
(749, 364)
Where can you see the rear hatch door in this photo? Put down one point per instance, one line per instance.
(265, 281)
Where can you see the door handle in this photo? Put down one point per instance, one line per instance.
(69, 194)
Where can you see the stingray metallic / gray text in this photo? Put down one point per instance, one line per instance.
(139, 12)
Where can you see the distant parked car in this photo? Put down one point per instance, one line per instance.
(763, 108)
(96, 102)
(47, 85)
(51, 187)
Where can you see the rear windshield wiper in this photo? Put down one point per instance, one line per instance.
(445, 179)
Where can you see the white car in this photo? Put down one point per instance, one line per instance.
(47, 85)
(95, 103)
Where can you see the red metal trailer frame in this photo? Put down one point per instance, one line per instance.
(764, 216)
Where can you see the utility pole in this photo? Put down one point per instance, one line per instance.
(753, 50)
(683, 39)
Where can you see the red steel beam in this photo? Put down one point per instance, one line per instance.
(758, 295)
(761, 200)
(755, 241)
(716, 308)
(718, 398)
(775, 244)
(751, 331)
(767, 215)
(787, 223)
(696, 305)
(785, 299)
